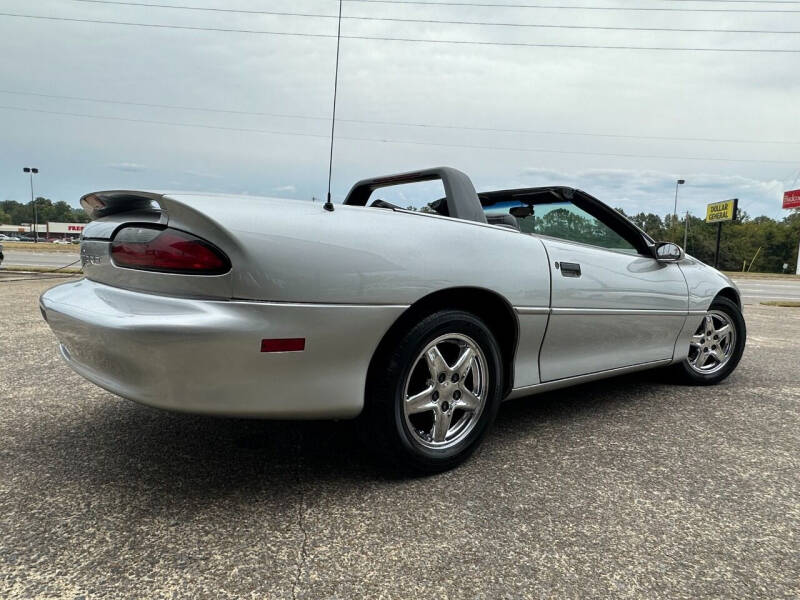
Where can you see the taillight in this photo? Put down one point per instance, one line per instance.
(166, 250)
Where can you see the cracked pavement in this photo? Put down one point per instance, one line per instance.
(627, 488)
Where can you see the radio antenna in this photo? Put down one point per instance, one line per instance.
(328, 204)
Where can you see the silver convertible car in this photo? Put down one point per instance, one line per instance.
(418, 322)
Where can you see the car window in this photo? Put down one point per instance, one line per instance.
(423, 196)
(564, 220)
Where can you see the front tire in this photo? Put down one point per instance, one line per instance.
(716, 346)
(433, 392)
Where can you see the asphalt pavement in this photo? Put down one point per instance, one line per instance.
(765, 290)
(628, 488)
(26, 258)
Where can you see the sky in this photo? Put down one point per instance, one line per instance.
(102, 106)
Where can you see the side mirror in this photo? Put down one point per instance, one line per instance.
(667, 252)
(520, 212)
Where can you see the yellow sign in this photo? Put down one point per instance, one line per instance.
(721, 211)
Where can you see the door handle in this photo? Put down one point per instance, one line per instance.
(570, 269)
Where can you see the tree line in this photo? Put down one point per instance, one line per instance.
(16, 213)
(759, 244)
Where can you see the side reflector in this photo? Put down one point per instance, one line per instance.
(283, 345)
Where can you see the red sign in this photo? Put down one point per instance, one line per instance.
(791, 199)
(74, 227)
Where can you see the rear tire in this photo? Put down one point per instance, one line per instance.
(433, 393)
(716, 347)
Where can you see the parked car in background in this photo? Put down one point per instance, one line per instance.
(419, 323)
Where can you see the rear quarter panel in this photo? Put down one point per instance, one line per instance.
(297, 252)
(285, 251)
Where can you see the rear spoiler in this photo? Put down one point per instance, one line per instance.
(102, 204)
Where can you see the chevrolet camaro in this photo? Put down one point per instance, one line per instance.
(418, 322)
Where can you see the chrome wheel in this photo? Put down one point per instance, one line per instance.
(712, 344)
(445, 391)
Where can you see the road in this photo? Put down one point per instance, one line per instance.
(763, 290)
(24, 258)
(628, 488)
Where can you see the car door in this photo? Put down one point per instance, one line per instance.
(612, 304)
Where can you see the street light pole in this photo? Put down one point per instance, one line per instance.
(679, 182)
(32, 171)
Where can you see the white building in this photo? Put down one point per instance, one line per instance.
(64, 229)
(47, 230)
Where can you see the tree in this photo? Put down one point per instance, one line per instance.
(16, 213)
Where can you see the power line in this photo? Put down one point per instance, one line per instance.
(415, 40)
(168, 123)
(400, 123)
(164, 26)
(210, 9)
(435, 21)
(396, 141)
(563, 7)
(740, 1)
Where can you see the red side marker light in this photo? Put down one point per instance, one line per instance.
(283, 345)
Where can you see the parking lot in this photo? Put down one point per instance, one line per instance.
(628, 488)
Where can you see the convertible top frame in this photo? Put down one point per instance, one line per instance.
(462, 200)
(544, 195)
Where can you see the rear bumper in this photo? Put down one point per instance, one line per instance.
(204, 356)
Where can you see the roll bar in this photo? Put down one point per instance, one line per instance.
(462, 200)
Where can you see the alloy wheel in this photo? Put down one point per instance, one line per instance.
(712, 345)
(445, 391)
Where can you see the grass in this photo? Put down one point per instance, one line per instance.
(41, 247)
(784, 303)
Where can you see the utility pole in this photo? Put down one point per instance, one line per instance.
(33, 171)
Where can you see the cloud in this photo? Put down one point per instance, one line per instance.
(127, 166)
(654, 191)
(202, 175)
(669, 104)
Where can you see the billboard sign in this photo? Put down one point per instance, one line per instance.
(718, 212)
(791, 199)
